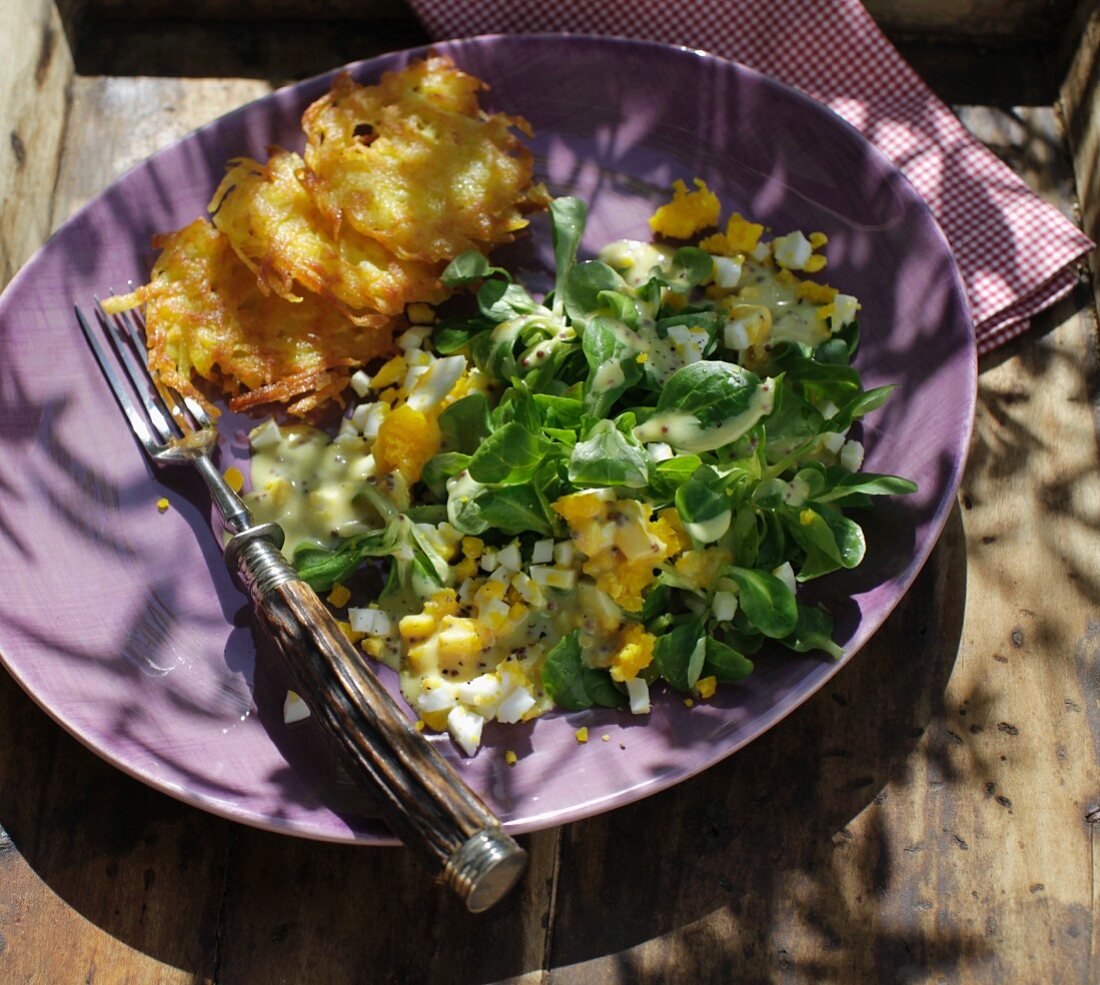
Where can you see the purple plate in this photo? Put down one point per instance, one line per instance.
(124, 624)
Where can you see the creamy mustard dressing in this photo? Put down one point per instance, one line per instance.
(609, 376)
(684, 432)
(794, 319)
(635, 260)
(312, 486)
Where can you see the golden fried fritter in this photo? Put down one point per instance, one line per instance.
(414, 163)
(206, 314)
(283, 238)
(312, 262)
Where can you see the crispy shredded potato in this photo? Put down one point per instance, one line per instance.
(414, 163)
(206, 315)
(312, 263)
(283, 238)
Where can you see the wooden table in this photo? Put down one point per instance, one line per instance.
(929, 816)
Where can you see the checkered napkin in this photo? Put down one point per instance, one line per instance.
(1015, 251)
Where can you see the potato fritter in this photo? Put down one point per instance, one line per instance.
(282, 237)
(414, 163)
(309, 265)
(207, 315)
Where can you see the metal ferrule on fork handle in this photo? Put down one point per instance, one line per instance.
(254, 555)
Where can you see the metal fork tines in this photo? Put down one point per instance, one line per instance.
(172, 428)
(420, 795)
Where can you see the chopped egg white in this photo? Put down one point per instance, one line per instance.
(792, 251)
(434, 386)
(844, 309)
(267, 435)
(542, 552)
(832, 442)
(373, 622)
(413, 338)
(514, 705)
(294, 708)
(724, 606)
(727, 272)
(510, 558)
(360, 383)
(563, 553)
(851, 456)
(638, 692)
(785, 573)
(465, 727)
(482, 693)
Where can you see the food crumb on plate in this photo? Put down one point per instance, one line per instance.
(582, 734)
(510, 757)
(162, 504)
(294, 708)
(339, 596)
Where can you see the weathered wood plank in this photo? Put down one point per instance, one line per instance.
(35, 70)
(119, 121)
(103, 879)
(293, 908)
(278, 51)
(1081, 108)
(973, 18)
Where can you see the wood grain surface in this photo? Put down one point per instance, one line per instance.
(929, 816)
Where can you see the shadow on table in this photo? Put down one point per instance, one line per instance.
(716, 865)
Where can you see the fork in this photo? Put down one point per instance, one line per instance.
(417, 791)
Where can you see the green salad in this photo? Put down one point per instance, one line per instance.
(581, 498)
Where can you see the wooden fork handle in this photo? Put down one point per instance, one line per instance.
(418, 792)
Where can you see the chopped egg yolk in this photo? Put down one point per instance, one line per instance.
(741, 236)
(817, 293)
(635, 654)
(234, 478)
(687, 213)
(623, 543)
(701, 567)
(706, 686)
(392, 372)
(406, 440)
(339, 596)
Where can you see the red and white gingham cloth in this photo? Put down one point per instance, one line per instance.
(1015, 251)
